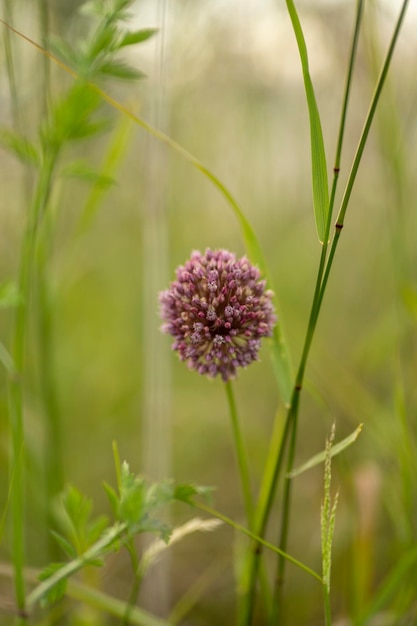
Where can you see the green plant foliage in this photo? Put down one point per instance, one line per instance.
(83, 171)
(96, 58)
(20, 147)
(318, 155)
(131, 38)
(79, 530)
(57, 591)
(87, 541)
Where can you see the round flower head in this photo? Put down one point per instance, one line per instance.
(217, 310)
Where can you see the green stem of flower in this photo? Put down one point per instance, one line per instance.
(240, 453)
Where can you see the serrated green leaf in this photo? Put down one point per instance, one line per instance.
(77, 506)
(20, 147)
(96, 528)
(64, 51)
(9, 294)
(186, 492)
(321, 456)
(56, 592)
(102, 42)
(159, 494)
(132, 500)
(81, 170)
(318, 155)
(71, 118)
(157, 527)
(64, 544)
(113, 498)
(133, 37)
(76, 512)
(118, 69)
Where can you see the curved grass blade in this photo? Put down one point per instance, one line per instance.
(280, 354)
(318, 155)
(252, 535)
(321, 456)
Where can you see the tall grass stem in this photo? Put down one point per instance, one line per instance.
(16, 381)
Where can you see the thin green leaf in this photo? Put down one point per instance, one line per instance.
(81, 170)
(20, 147)
(318, 155)
(321, 456)
(102, 42)
(118, 69)
(138, 36)
(72, 117)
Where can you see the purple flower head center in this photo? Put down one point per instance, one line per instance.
(217, 310)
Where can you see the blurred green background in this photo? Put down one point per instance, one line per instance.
(224, 80)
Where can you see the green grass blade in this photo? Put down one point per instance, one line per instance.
(318, 155)
(321, 456)
(258, 539)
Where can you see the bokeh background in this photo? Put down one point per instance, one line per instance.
(224, 80)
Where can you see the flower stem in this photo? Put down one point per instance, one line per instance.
(240, 453)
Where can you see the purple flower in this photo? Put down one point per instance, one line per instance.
(217, 310)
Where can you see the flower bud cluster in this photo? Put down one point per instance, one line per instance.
(217, 310)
